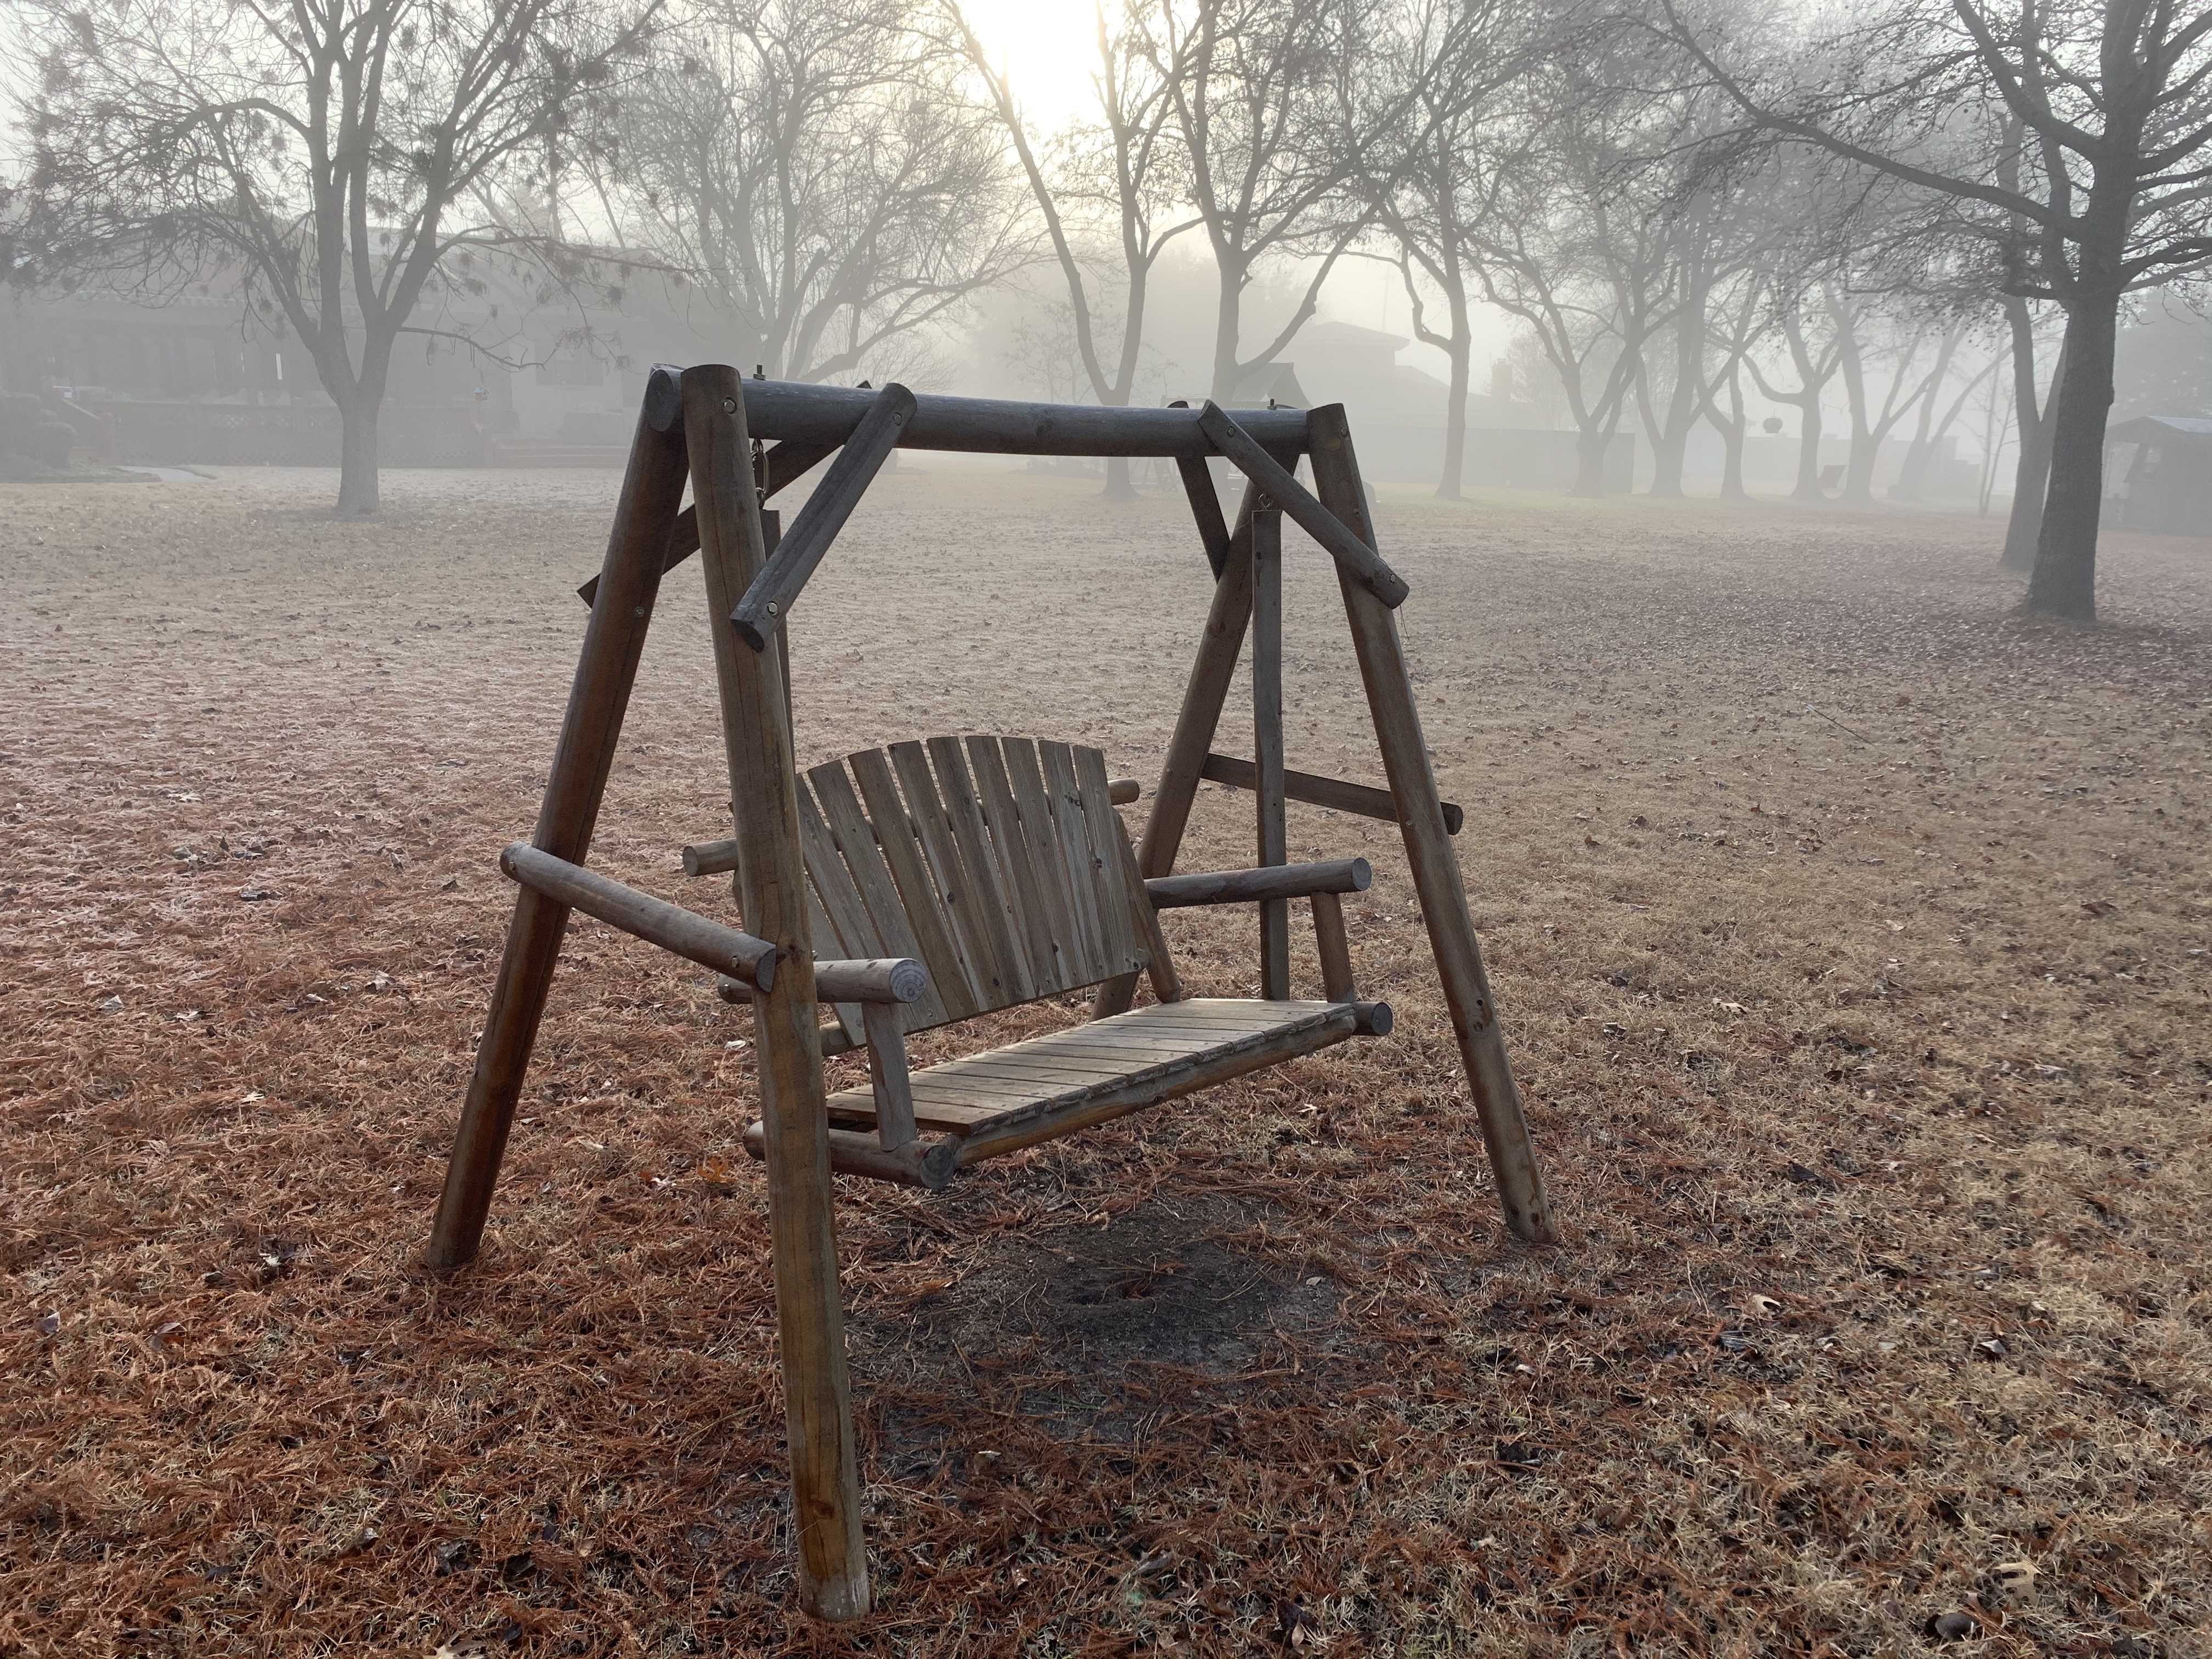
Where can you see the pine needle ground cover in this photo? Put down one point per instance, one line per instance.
(1850, 937)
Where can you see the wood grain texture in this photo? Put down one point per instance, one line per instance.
(1359, 799)
(1355, 559)
(1151, 1054)
(767, 603)
(772, 896)
(683, 932)
(1272, 838)
(1389, 686)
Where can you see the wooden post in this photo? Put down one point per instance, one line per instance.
(1429, 849)
(1273, 838)
(614, 638)
(825, 1490)
(1219, 647)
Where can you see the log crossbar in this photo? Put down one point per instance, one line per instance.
(1363, 800)
(816, 415)
(1261, 885)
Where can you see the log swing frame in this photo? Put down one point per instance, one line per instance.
(707, 426)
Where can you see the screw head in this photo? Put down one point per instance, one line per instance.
(771, 607)
(729, 405)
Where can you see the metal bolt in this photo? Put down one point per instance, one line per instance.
(729, 405)
(771, 607)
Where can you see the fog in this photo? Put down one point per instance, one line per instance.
(1682, 249)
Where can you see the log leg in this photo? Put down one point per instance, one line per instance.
(818, 1395)
(1274, 840)
(1218, 648)
(613, 640)
(1429, 850)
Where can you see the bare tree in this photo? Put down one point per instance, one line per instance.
(347, 156)
(1282, 116)
(1578, 243)
(814, 166)
(1737, 320)
(1920, 454)
(2076, 132)
(1120, 170)
(1815, 357)
(1433, 194)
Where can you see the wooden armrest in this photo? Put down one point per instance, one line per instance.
(868, 979)
(1280, 881)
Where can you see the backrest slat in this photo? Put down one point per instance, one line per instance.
(1074, 838)
(962, 904)
(994, 913)
(933, 929)
(1042, 837)
(1000, 862)
(1017, 869)
(1116, 938)
(838, 887)
(850, 1015)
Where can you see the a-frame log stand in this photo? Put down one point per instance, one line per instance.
(704, 425)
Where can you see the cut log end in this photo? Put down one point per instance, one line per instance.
(927, 1165)
(664, 397)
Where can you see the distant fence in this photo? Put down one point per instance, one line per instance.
(287, 435)
(1510, 458)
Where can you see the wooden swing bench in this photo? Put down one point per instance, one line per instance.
(930, 883)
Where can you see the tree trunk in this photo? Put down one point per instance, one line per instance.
(1808, 454)
(1732, 445)
(1227, 332)
(2033, 469)
(357, 463)
(1673, 440)
(1118, 486)
(2064, 583)
(1448, 485)
(1589, 463)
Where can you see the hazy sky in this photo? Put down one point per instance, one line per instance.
(1049, 47)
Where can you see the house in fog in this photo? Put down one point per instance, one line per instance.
(1397, 413)
(195, 378)
(2159, 476)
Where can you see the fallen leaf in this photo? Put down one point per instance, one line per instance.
(1763, 1307)
(1294, 1625)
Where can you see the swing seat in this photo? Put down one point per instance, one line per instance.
(1002, 867)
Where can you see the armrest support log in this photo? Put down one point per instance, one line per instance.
(1335, 948)
(1282, 881)
(695, 937)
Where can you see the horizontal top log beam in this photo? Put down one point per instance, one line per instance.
(809, 414)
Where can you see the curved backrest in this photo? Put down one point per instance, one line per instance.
(1000, 862)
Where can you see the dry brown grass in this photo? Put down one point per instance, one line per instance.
(1850, 937)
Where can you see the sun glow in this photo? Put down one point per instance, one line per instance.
(1048, 49)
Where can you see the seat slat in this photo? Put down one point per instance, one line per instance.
(996, 796)
(942, 947)
(1003, 1099)
(1073, 836)
(992, 906)
(853, 844)
(1042, 838)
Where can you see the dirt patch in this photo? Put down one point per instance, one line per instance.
(1850, 937)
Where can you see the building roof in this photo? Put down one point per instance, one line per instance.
(2147, 428)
